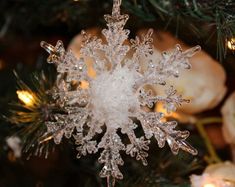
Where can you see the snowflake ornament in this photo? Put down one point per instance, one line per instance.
(116, 96)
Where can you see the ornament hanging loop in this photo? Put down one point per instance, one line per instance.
(116, 7)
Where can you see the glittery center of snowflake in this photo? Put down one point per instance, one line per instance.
(113, 96)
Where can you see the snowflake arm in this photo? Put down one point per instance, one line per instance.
(91, 47)
(170, 64)
(164, 132)
(142, 46)
(138, 147)
(85, 145)
(110, 156)
(173, 61)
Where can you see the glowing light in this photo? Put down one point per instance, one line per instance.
(209, 185)
(26, 97)
(231, 44)
(160, 108)
(84, 84)
(46, 139)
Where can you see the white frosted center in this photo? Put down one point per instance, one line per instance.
(112, 96)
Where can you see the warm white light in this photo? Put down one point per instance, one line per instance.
(231, 44)
(209, 185)
(160, 108)
(26, 97)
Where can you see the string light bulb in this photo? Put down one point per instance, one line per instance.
(209, 185)
(231, 44)
(26, 97)
(160, 108)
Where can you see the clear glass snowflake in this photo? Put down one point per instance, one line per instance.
(116, 97)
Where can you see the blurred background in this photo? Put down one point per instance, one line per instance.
(210, 85)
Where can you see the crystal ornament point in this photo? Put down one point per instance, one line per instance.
(116, 95)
